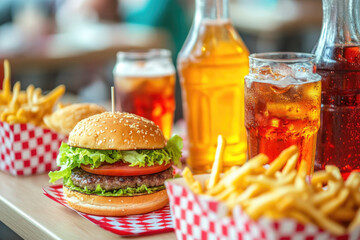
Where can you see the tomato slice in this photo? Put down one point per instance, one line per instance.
(123, 169)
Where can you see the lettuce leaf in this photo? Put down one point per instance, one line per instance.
(143, 189)
(72, 157)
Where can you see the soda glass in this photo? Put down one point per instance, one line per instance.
(282, 105)
(145, 84)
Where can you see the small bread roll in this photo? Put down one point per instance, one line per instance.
(64, 119)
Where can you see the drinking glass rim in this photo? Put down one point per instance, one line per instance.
(144, 54)
(296, 57)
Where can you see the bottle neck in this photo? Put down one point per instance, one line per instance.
(341, 22)
(212, 9)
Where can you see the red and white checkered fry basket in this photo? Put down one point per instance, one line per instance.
(201, 217)
(26, 149)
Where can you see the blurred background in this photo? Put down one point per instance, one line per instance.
(74, 42)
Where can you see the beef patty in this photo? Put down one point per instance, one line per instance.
(84, 179)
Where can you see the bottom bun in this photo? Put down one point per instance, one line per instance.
(115, 206)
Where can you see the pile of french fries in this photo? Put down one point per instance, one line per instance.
(28, 106)
(279, 190)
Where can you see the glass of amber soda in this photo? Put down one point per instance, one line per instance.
(145, 85)
(282, 105)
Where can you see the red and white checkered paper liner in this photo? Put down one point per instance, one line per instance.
(201, 217)
(159, 221)
(26, 149)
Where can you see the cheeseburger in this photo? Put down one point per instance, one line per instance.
(115, 164)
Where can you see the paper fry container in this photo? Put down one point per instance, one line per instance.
(201, 217)
(26, 149)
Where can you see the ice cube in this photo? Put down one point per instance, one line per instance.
(286, 81)
(281, 70)
(301, 71)
(264, 69)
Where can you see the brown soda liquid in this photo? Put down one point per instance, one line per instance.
(279, 117)
(212, 81)
(149, 97)
(339, 136)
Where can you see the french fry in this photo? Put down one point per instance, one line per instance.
(281, 191)
(261, 180)
(271, 182)
(334, 171)
(249, 192)
(6, 83)
(196, 187)
(353, 180)
(343, 214)
(335, 203)
(27, 106)
(188, 176)
(281, 160)
(274, 214)
(286, 203)
(318, 187)
(324, 222)
(36, 95)
(350, 203)
(16, 91)
(231, 200)
(247, 168)
(226, 193)
(320, 177)
(15, 119)
(218, 163)
(302, 171)
(258, 205)
(52, 96)
(355, 222)
(258, 170)
(291, 163)
(321, 197)
(287, 178)
(238, 174)
(30, 94)
(299, 216)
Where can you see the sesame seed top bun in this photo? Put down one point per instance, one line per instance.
(116, 131)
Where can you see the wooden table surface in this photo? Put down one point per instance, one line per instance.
(27, 211)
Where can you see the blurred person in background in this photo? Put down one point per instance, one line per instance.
(166, 14)
(72, 12)
(170, 15)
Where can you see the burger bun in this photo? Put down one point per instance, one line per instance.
(115, 206)
(64, 119)
(116, 131)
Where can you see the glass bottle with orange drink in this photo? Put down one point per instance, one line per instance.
(212, 65)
